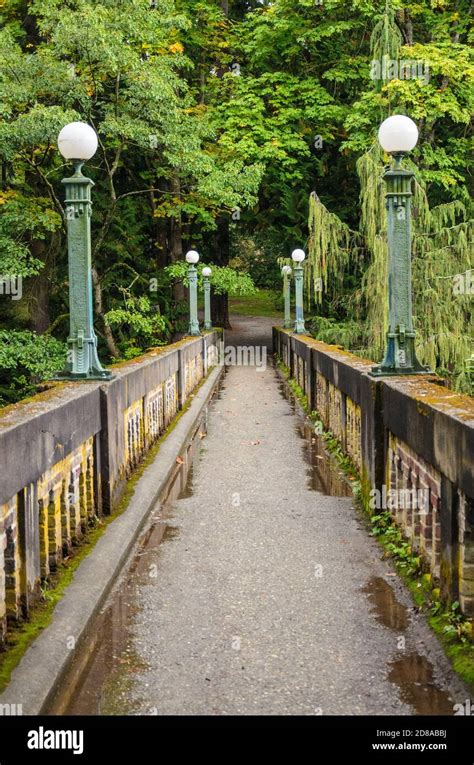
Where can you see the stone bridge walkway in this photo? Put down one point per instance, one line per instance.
(264, 594)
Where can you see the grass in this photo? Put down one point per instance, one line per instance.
(261, 304)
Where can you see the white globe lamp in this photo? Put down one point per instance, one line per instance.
(77, 141)
(298, 256)
(192, 257)
(398, 134)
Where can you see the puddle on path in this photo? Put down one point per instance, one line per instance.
(386, 608)
(101, 676)
(323, 473)
(413, 674)
(188, 488)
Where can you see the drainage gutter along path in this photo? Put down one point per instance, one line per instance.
(265, 596)
(43, 667)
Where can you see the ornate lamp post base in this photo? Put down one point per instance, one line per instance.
(299, 328)
(400, 358)
(382, 371)
(78, 376)
(91, 374)
(84, 363)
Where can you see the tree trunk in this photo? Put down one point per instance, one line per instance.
(99, 311)
(221, 255)
(160, 243)
(406, 25)
(39, 291)
(220, 311)
(158, 236)
(176, 240)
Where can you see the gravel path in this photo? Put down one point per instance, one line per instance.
(269, 597)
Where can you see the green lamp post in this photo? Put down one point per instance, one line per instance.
(192, 257)
(397, 136)
(297, 257)
(286, 272)
(78, 142)
(206, 272)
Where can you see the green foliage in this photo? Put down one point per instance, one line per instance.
(127, 69)
(224, 280)
(456, 625)
(395, 544)
(442, 249)
(350, 334)
(258, 255)
(333, 252)
(353, 264)
(139, 325)
(23, 219)
(25, 360)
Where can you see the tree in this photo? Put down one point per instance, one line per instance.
(442, 232)
(121, 67)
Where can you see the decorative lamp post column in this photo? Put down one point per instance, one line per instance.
(192, 257)
(206, 272)
(298, 256)
(398, 135)
(78, 143)
(286, 271)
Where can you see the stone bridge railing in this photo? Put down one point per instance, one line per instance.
(402, 434)
(66, 455)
